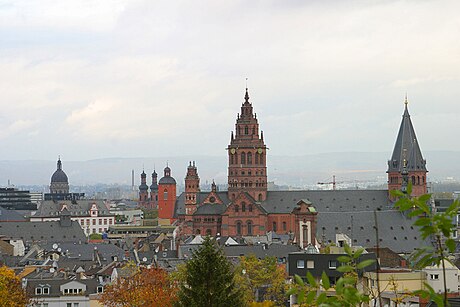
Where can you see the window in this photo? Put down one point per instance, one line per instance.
(284, 226)
(249, 158)
(246, 130)
(46, 290)
(243, 207)
(434, 276)
(82, 222)
(105, 221)
(249, 228)
(165, 194)
(94, 221)
(69, 305)
(250, 208)
(238, 228)
(333, 264)
(100, 289)
(310, 264)
(243, 158)
(237, 208)
(274, 226)
(38, 291)
(300, 264)
(257, 158)
(100, 221)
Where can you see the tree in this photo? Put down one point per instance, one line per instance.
(146, 287)
(254, 274)
(438, 226)
(209, 279)
(11, 292)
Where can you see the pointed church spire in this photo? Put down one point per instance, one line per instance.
(406, 147)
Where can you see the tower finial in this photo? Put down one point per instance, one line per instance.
(405, 100)
(246, 96)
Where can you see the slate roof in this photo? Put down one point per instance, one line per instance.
(200, 197)
(85, 251)
(406, 147)
(260, 251)
(7, 215)
(54, 285)
(50, 208)
(43, 231)
(210, 209)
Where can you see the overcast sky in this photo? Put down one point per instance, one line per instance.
(95, 79)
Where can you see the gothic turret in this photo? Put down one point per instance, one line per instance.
(407, 160)
(247, 171)
(192, 187)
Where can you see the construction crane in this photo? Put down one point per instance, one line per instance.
(333, 182)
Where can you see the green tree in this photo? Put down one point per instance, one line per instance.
(253, 274)
(347, 291)
(209, 280)
(438, 226)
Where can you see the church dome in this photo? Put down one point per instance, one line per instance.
(167, 179)
(59, 175)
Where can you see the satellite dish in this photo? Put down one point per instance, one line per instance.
(144, 259)
(55, 246)
(52, 270)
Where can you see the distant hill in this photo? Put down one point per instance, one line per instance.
(298, 170)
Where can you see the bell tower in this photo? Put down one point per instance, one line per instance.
(407, 164)
(192, 187)
(247, 168)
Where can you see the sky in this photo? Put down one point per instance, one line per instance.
(97, 79)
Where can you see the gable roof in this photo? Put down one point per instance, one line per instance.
(50, 208)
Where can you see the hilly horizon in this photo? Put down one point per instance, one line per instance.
(298, 171)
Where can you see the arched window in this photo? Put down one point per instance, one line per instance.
(238, 228)
(249, 224)
(250, 208)
(261, 159)
(237, 208)
(243, 158)
(284, 226)
(260, 197)
(423, 179)
(257, 158)
(249, 158)
(418, 180)
(253, 130)
(274, 226)
(165, 194)
(413, 180)
(232, 158)
(243, 207)
(246, 130)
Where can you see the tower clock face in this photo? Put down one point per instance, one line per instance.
(259, 150)
(232, 151)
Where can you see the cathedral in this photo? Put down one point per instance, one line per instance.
(247, 208)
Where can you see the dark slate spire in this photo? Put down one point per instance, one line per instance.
(406, 147)
(246, 97)
(143, 186)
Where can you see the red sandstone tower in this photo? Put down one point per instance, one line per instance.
(166, 198)
(192, 187)
(247, 170)
(407, 163)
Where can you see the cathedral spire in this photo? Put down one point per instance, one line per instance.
(407, 163)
